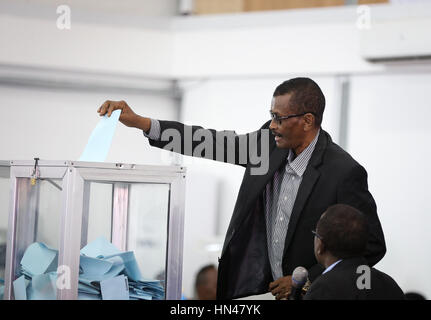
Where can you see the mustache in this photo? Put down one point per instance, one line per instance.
(275, 133)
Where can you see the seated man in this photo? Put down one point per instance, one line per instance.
(339, 244)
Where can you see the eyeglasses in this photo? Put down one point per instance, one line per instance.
(316, 234)
(278, 119)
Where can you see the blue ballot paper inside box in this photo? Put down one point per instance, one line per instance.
(105, 273)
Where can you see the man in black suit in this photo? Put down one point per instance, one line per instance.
(339, 244)
(301, 173)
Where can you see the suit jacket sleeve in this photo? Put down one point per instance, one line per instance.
(353, 190)
(224, 146)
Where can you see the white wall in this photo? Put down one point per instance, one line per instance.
(389, 133)
(90, 47)
(318, 41)
(323, 41)
(56, 125)
(129, 8)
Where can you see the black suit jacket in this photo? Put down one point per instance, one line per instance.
(332, 176)
(341, 283)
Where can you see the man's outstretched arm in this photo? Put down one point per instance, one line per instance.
(224, 146)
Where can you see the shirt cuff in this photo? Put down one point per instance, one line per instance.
(154, 133)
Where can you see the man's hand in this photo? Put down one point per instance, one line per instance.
(281, 287)
(127, 117)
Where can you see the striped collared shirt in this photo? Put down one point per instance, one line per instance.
(154, 133)
(280, 198)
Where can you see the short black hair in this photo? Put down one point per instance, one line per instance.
(344, 231)
(201, 277)
(306, 96)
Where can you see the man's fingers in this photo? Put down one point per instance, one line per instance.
(274, 284)
(282, 296)
(111, 108)
(103, 108)
(276, 290)
(281, 287)
(127, 116)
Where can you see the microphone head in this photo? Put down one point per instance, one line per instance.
(299, 276)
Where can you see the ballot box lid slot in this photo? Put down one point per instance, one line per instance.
(95, 165)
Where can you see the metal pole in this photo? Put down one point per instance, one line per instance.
(70, 236)
(120, 207)
(344, 88)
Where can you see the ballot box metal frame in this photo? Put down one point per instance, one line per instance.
(76, 179)
(5, 170)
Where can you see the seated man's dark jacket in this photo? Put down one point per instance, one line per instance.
(332, 176)
(341, 283)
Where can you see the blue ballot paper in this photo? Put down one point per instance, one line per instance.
(100, 248)
(105, 272)
(115, 288)
(93, 266)
(95, 278)
(1, 288)
(88, 296)
(130, 265)
(39, 259)
(20, 288)
(100, 139)
(88, 288)
(43, 287)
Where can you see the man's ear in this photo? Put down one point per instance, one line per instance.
(310, 121)
(321, 247)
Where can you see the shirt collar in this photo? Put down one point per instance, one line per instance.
(299, 164)
(331, 266)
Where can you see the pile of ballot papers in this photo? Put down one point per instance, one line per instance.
(105, 273)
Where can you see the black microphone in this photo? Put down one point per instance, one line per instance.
(299, 278)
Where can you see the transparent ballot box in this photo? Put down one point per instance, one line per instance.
(86, 230)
